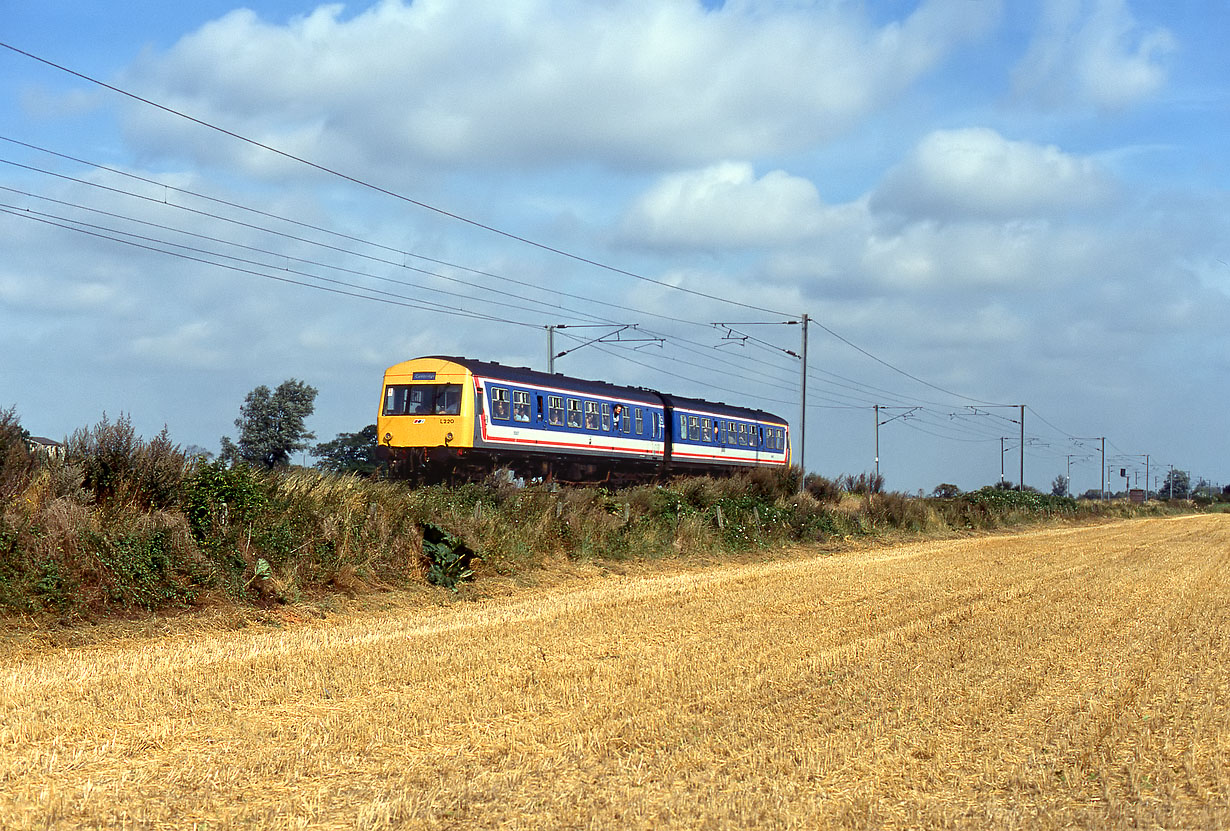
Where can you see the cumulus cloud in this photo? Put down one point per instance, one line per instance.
(725, 206)
(532, 82)
(977, 173)
(1093, 52)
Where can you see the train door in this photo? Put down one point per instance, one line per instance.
(667, 434)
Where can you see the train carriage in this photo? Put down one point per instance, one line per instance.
(707, 437)
(445, 418)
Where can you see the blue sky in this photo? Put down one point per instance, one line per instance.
(980, 203)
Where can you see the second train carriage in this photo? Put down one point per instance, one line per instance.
(446, 417)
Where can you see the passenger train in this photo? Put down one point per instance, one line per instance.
(449, 419)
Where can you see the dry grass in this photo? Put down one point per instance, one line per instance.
(1057, 678)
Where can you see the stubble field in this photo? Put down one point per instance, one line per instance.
(1057, 678)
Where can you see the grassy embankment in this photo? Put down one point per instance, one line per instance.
(120, 525)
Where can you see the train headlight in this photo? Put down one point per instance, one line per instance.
(388, 438)
(448, 437)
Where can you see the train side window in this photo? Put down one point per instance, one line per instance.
(574, 413)
(539, 399)
(521, 405)
(555, 410)
(499, 402)
(693, 428)
(706, 429)
(640, 421)
(448, 399)
(606, 418)
(743, 435)
(657, 425)
(683, 426)
(625, 421)
(591, 415)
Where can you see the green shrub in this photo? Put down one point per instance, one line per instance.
(447, 558)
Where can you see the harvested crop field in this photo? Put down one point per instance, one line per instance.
(1057, 678)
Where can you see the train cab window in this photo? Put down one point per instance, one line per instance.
(706, 429)
(591, 415)
(499, 402)
(640, 421)
(422, 399)
(555, 410)
(574, 413)
(606, 418)
(521, 405)
(693, 428)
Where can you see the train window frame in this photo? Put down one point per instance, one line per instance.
(742, 434)
(638, 417)
(591, 415)
(574, 413)
(520, 405)
(683, 425)
(433, 399)
(499, 403)
(693, 428)
(555, 411)
(706, 430)
(625, 420)
(606, 417)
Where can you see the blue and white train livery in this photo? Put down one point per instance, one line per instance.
(456, 418)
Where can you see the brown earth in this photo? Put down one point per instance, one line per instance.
(1056, 678)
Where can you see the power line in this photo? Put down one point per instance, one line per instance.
(377, 188)
(460, 218)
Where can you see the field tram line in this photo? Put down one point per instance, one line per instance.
(1081, 717)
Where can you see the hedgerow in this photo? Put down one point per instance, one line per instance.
(119, 525)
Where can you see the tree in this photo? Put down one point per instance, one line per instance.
(1176, 485)
(349, 452)
(1060, 486)
(946, 490)
(271, 425)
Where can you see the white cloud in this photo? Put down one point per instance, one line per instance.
(978, 173)
(1093, 52)
(189, 345)
(725, 206)
(533, 82)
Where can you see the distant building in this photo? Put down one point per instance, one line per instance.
(43, 446)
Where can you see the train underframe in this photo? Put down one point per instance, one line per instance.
(446, 465)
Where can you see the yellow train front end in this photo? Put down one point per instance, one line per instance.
(426, 416)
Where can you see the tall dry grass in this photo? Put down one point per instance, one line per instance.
(1054, 679)
(119, 525)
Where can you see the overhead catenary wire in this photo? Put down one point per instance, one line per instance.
(850, 383)
(379, 189)
(458, 217)
(852, 391)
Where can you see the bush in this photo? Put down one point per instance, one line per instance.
(118, 466)
(16, 460)
(822, 489)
